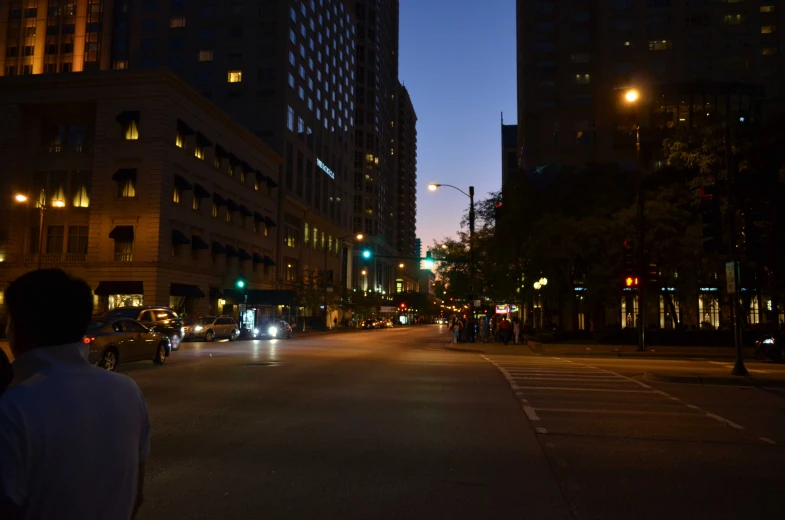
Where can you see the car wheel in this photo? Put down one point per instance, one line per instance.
(290, 335)
(109, 359)
(233, 336)
(175, 341)
(209, 335)
(160, 354)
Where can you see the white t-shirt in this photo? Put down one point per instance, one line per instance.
(72, 437)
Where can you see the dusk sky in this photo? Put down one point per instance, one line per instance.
(457, 59)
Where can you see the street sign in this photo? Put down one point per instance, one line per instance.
(730, 276)
(388, 309)
(501, 309)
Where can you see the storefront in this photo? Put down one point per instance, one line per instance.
(182, 297)
(113, 294)
(669, 310)
(709, 308)
(629, 308)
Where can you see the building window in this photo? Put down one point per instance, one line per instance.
(754, 312)
(235, 76)
(80, 183)
(77, 240)
(708, 311)
(179, 140)
(197, 203)
(767, 9)
(127, 188)
(582, 79)
(768, 29)
(199, 152)
(205, 55)
(733, 19)
(660, 45)
(290, 269)
(54, 239)
(290, 119)
(177, 194)
(131, 132)
(177, 22)
(123, 250)
(215, 211)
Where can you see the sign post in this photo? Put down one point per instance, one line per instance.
(730, 276)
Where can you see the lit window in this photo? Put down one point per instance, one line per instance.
(131, 131)
(769, 51)
(177, 22)
(767, 29)
(767, 9)
(228, 216)
(235, 76)
(582, 79)
(176, 196)
(197, 202)
(199, 152)
(179, 140)
(215, 210)
(660, 45)
(81, 197)
(127, 188)
(733, 19)
(205, 55)
(120, 65)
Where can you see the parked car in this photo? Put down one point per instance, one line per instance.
(211, 328)
(159, 318)
(273, 329)
(771, 346)
(122, 340)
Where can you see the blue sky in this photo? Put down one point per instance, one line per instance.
(457, 59)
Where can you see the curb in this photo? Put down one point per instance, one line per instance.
(467, 350)
(713, 380)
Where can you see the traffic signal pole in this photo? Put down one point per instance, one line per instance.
(641, 258)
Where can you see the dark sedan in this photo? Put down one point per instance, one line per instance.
(772, 346)
(122, 340)
(274, 329)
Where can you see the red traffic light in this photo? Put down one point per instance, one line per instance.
(403, 306)
(627, 244)
(498, 205)
(631, 282)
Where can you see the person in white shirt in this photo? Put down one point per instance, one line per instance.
(73, 437)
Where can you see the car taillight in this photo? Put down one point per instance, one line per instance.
(87, 340)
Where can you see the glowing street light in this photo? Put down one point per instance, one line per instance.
(631, 96)
(20, 198)
(58, 203)
(433, 187)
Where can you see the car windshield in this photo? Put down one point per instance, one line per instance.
(204, 321)
(98, 324)
(123, 313)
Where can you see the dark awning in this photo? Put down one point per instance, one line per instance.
(182, 183)
(244, 211)
(184, 128)
(271, 297)
(220, 152)
(257, 217)
(198, 243)
(242, 254)
(246, 167)
(269, 221)
(261, 177)
(219, 200)
(202, 140)
(199, 191)
(230, 251)
(124, 234)
(128, 116)
(185, 290)
(268, 261)
(119, 287)
(216, 294)
(123, 174)
(231, 205)
(179, 239)
(218, 249)
(257, 258)
(233, 160)
(271, 183)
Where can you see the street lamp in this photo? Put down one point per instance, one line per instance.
(632, 97)
(434, 187)
(358, 236)
(22, 198)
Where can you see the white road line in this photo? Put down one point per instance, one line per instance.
(767, 440)
(530, 413)
(621, 381)
(726, 421)
(692, 406)
(566, 388)
(605, 411)
(541, 430)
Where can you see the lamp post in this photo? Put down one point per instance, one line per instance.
(22, 198)
(434, 187)
(358, 236)
(632, 97)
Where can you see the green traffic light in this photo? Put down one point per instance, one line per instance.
(240, 284)
(428, 263)
(367, 253)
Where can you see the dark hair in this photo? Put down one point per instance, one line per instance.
(69, 298)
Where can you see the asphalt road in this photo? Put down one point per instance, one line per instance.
(388, 424)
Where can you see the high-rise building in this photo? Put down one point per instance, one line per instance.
(418, 248)
(284, 69)
(406, 179)
(375, 162)
(509, 152)
(573, 59)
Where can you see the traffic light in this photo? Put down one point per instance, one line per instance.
(628, 256)
(428, 260)
(497, 212)
(631, 281)
(366, 253)
(403, 306)
(240, 283)
(711, 219)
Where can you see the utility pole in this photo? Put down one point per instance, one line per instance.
(738, 367)
(641, 257)
(472, 266)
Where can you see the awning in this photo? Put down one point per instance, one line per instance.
(261, 177)
(202, 141)
(242, 254)
(218, 249)
(181, 183)
(244, 211)
(219, 200)
(258, 259)
(271, 297)
(124, 234)
(216, 294)
(184, 128)
(257, 217)
(200, 192)
(271, 183)
(268, 261)
(128, 116)
(179, 239)
(220, 152)
(198, 243)
(185, 290)
(269, 221)
(246, 167)
(119, 287)
(123, 174)
(231, 205)
(233, 160)
(230, 251)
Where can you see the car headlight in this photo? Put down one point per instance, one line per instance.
(768, 341)
(272, 331)
(198, 328)
(256, 331)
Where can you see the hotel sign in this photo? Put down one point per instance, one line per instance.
(324, 168)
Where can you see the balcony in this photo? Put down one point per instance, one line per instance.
(123, 257)
(46, 258)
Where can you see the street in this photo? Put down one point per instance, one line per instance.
(389, 424)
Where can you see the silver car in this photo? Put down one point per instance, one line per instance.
(123, 340)
(211, 328)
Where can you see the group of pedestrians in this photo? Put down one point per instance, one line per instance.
(74, 438)
(485, 329)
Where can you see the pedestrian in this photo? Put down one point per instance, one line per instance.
(470, 324)
(74, 438)
(335, 322)
(506, 329)
(516, 330)
(527, 331)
